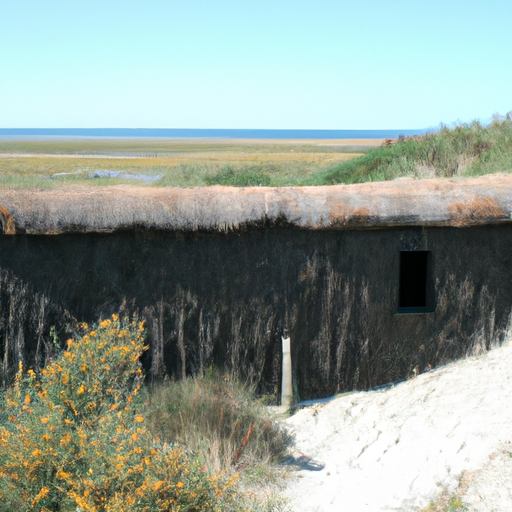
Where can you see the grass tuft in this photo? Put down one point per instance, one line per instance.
(219, 420)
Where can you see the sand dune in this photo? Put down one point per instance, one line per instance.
(441, 435)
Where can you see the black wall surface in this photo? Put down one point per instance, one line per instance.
(225, 300)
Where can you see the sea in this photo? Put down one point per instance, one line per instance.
(199, 133)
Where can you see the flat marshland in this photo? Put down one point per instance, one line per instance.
(175, 162)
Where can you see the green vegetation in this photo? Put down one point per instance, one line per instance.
(179, 163)
(450, 504)
(75, 436)
(248, 177)
(466, 150)
(446, 504)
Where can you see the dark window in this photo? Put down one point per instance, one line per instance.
(413, 279)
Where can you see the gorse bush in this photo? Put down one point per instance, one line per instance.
(466, 150)
(74, 438)
(219, 419)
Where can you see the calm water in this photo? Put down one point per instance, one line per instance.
(205, 133)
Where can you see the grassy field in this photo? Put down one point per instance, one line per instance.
(179, 162)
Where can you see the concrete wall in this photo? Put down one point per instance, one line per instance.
(226, 299)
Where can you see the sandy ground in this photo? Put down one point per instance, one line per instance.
(442, 434)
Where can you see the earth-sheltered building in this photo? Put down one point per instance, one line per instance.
(372, 282)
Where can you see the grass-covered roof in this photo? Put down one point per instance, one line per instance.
(403, 202)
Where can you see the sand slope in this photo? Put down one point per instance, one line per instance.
(396, 449)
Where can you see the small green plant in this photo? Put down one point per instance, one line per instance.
(74, 437)
(456, 504)
(452, 501)
(446, 504)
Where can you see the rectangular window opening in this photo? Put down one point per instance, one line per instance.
(413, 293)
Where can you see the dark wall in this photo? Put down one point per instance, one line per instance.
(225, 300)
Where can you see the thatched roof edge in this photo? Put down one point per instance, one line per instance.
(454, 202)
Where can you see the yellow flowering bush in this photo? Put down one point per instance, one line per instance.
(74, 436)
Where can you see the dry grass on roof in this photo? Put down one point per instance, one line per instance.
(436, 202)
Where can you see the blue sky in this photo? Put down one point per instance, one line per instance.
(299, 64)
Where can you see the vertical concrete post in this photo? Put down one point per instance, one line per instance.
(286, 383)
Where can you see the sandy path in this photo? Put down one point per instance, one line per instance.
(396, 449)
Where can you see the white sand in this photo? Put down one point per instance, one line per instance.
(397, 449)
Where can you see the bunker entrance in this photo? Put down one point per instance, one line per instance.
(413, 294)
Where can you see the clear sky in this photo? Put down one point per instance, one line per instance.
(301, 64)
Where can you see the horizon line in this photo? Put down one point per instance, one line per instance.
(217, 133)
(220, 129)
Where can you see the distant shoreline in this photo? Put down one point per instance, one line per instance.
(176, 133)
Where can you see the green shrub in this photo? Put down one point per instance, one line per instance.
(74, 437)
(254, 176)
(219, 419)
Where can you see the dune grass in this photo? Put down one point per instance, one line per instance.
(466, 150)
(219, 419)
